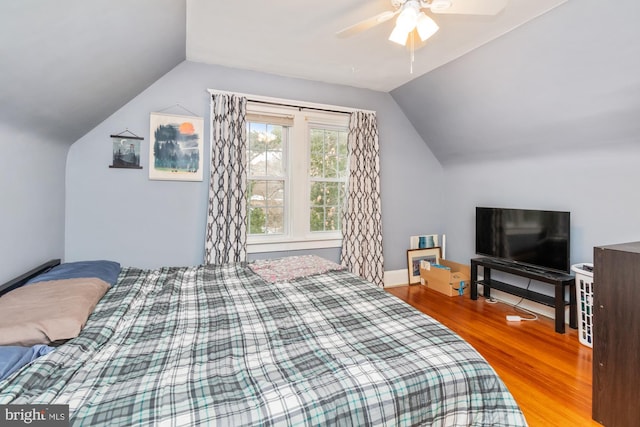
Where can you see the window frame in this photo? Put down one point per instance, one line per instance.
(333, 126)
(297, 151)
(285, 178)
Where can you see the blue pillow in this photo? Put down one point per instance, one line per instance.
(13, 358)
(104, 270)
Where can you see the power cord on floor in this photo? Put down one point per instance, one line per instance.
(524, 310)
(516, 307)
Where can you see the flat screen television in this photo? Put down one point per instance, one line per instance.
(532, 237)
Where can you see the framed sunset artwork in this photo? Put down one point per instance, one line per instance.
(176, 147)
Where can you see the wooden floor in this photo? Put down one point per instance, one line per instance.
(549, 374)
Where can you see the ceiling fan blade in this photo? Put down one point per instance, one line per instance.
(366, 24)
(473, 7)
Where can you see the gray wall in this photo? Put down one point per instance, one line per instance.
(32, 200)
(544, 117)
(121, 215)
(598, 187)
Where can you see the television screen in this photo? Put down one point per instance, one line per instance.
(534, 237)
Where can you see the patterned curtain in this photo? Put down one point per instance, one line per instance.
(226, 235)
(362, 219)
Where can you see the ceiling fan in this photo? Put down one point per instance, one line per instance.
(412, 17)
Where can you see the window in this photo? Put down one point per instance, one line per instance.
(297, 176)
(327, 175)
(266, 177)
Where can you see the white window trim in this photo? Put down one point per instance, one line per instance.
(291, 102)
(297, 235)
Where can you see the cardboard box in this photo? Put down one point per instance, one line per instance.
(446, 280)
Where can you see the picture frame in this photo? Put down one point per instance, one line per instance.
(126, 152)
(176, 147)
(414, 256)
(424, 241)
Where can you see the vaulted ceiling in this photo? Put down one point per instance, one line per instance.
(567, 82)
(540, 75)
(298, 38)
(67, 65)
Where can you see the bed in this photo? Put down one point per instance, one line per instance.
(255, 344)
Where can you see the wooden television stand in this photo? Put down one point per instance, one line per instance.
(559, 280)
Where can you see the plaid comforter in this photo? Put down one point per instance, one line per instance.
(218, 345)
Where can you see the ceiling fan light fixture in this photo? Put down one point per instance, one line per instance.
(408, 18)
(426, 26)
(399, 35)
(405, 23)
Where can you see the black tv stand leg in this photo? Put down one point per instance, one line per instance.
(573, 306)
(560, 306)
(474, 281)
(559, 309)
(486, 272)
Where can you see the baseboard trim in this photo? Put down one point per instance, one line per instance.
(393, 278)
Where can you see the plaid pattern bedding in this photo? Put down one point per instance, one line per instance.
(217, 345)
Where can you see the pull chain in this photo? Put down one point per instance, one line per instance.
(412, 52)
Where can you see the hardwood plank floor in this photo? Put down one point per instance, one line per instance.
(549, 374)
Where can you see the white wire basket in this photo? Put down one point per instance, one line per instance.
(584, 299)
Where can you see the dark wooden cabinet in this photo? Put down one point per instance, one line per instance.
(616, 335)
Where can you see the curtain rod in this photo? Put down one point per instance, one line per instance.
(292, 103)
(280, 104)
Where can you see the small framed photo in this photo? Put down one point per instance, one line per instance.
(424, 241)
(415, 256)
(126, 152)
